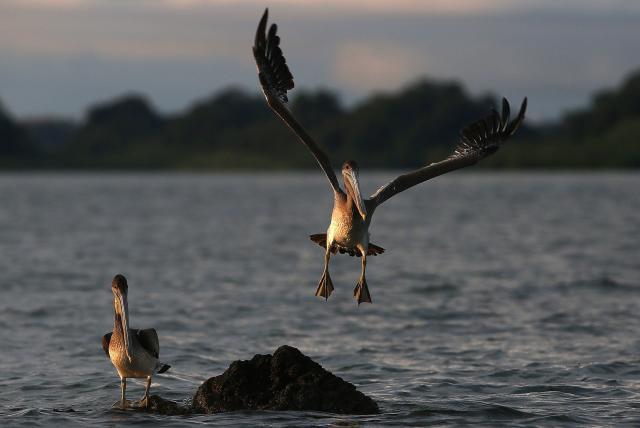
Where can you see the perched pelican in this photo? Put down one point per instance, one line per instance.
(134, 353)
(351, 216)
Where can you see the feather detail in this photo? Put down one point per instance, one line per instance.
(273, 72)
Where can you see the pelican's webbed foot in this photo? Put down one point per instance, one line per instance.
(122, 404)
(143, 403)
(325, 286)
(361, 292)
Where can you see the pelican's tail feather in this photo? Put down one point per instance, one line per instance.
(321, 239)
(374, 250)
(162, 367)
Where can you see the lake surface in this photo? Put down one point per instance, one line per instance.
(502, 299)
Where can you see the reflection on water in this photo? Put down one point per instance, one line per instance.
(502, 299)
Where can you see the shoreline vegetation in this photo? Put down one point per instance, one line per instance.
(234, 130)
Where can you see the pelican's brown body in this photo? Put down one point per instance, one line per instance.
(347, 228)
(348, 231)
(144, 358)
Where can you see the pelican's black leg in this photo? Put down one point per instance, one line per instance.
(361, 292)
(122, 404)
(145, 399)
(325, 286)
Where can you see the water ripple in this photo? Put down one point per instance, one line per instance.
(479, 319)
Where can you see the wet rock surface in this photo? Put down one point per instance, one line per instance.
(286, 380)
(162, 406)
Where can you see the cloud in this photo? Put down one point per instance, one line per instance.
(120, 48)
(328, 7)
(355, 6)
(73, 28)
(59, 55)
(366, 66)
(50, 3)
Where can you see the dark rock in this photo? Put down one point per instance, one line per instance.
(161, 406)
(288, 380)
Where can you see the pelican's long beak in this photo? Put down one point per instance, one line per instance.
(124, 319)
(352, 177)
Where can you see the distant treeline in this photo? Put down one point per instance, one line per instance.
(233, 129)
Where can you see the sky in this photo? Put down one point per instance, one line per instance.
(59, 57)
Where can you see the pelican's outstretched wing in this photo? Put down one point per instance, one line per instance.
(477, 141)
(276, 80)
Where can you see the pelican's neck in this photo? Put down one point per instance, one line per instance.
(117, 322)
(351, 204)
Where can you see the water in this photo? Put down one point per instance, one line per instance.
(503, 299)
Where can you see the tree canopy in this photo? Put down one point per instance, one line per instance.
(233, 129)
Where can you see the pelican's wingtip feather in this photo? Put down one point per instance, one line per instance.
(273, 71)
(483, 137)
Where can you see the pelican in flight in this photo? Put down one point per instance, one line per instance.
(133, 352)
(348, 231)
